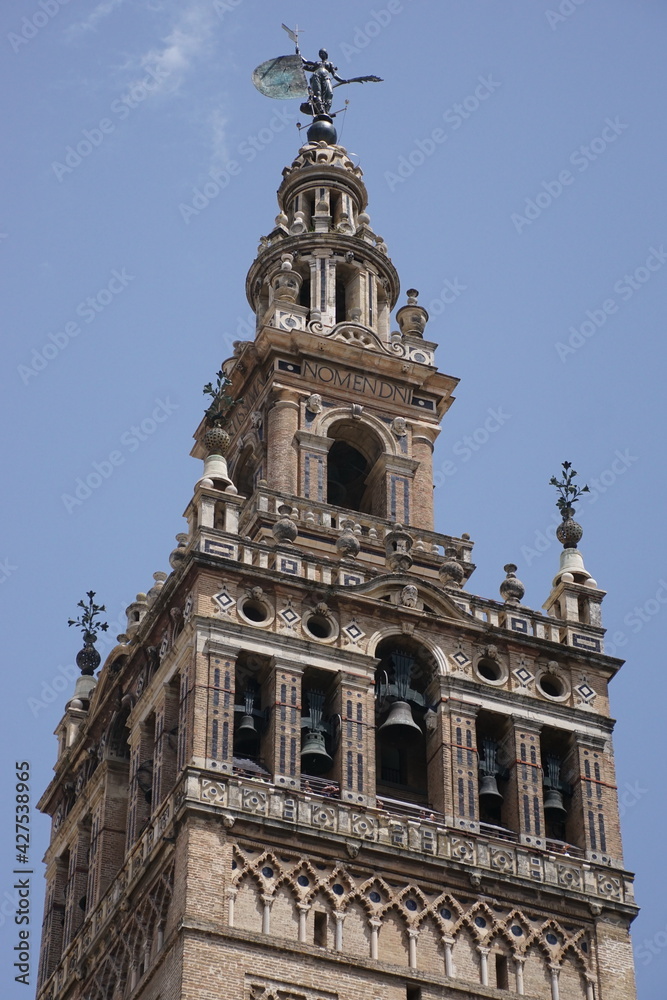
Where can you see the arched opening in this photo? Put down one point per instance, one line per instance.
(304, 294)
(245, 470)
(341, 310)
(318, 742)
(347, 472)
(401, 678)
(560, 820)
(249, 725)
(351, 460)
(493, 761)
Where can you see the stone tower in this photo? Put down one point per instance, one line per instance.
(317, 766)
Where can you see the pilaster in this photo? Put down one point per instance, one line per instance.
(283, 738)
(524, 801)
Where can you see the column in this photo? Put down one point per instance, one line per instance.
(463, 757)
(303, 921)
(283, 423)
(338, 934)
(449, 958)
(282, 692)
(594, 820)
(484, 966)
(413, 934)
(523, 803)
(209, 718)
(518, 968)
(141, 740)
(77, 879)
(107, 843)
(375, 930)
(166, 720)
(422, 486)
(266, 915)
(354, 765)
(439, 752)
(54, 912)
(231, 900)
(313, 452)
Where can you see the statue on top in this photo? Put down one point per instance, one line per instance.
(285, 77)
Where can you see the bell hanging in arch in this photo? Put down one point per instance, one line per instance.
(488, 790)
(247, 736)
(553, 804)
(314, 756)
(399, 722)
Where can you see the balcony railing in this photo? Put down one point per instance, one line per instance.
(498, 832)
(567, 850)
(416, 810)
(320, 786)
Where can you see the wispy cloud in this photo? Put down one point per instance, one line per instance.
(219, 146)
(190, 38)
(90, 23)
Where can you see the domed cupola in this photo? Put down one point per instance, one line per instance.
(322, 265)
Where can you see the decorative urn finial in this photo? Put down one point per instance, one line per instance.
(451, 571)
(88, 658)
(412, 318)
(572, 569)
(511, 589)
(569, 532)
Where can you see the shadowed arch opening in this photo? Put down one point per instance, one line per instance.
(402, 678)
(350, 464)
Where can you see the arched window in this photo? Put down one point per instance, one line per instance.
(493, 760)
(245, 469)
(318, 744)
(562, 824)
(351, 460)
(401, 679)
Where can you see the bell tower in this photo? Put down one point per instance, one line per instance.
(317, 766)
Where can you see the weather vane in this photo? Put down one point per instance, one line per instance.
(284, 78)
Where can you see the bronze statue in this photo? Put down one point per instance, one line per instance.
(320, 91)
(285, 77)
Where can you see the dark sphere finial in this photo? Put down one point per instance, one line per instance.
(323, 130)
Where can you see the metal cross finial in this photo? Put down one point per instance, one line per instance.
(294, 35)
(569, 491)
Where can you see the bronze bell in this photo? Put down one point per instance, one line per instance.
(314, 756)
(399, 722)
(246, 734)
(553, 804)
(488, 789)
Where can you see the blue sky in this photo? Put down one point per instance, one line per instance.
(514, 158)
